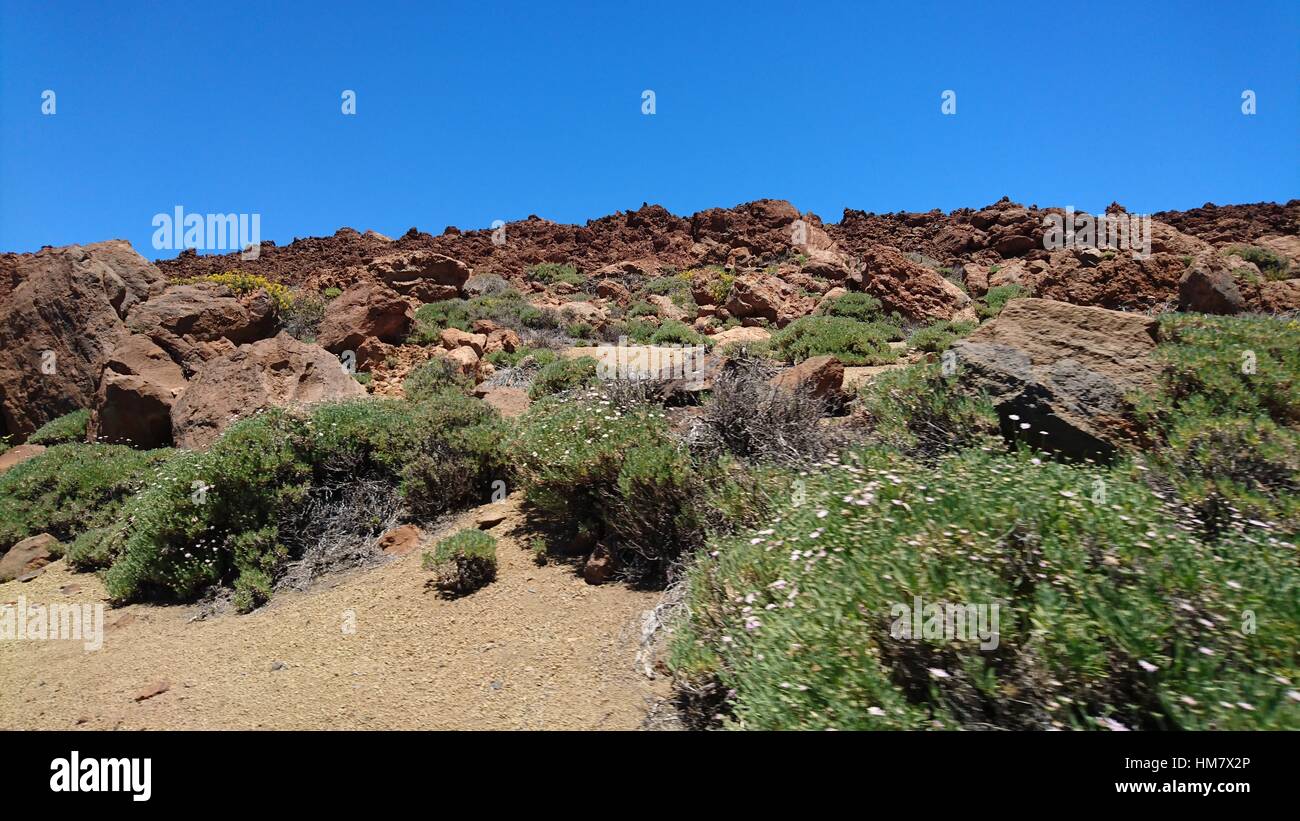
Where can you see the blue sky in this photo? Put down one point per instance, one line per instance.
(470, 112)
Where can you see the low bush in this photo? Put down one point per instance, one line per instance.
(303, 317)
(434, 376)
(848, 340)
(919, 411)
(71, 427)
(564, 374)
(676, 332)
(463, 562)
(506, 308)
(1271, 264)
(997, 298)
(938, 336)
(553, 272)
(1111, 615)
(1226, 420)
(229, 515)
(618, 475)
(745, 416)
(71, 489)
(856, 305)
(240, 283)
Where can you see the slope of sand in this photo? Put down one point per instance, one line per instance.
(536, 649)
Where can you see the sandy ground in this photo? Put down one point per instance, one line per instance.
(536, 649)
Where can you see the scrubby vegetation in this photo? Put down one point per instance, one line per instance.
(938, 336)
(1271, 264)
(1132, 595)
(997, 298)
(463, 562)
(1110, 613)
(562, 374)
(223, 516)
(71, 427)
(1227, 419)
(848, 340)
(507, 308)
(241, 283)
(71, 489)
(553, 272)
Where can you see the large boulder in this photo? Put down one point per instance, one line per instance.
(137, 390)
(1060, 375)
(364, 311)
(762, 296)
(61, 314)
(915, 291)
(196, 323)
(426, 275)
(821, 377)
(275, 372)
(1209, 287)
(740, 336)
(28, 556)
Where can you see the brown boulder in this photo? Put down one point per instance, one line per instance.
(1280, 296)
(60, 315)
(195, 323)
(742, 336)
(137, 390)
(400, 540)
(1209, 287)
(760, 296)
(821, 377)
(275, 372)
(915, 291)
(1060, 375)
(423, 274)
(31, 554)
(366, 310)
(613, 290)
(452, 338)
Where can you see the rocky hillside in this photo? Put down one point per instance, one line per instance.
(791, 426)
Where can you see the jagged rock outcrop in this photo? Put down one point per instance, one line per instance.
(61, 312)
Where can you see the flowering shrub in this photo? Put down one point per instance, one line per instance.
(919, 411)
(70, 489)
(1112, 614)
(562, 375)
(241, 283)
(70, 427)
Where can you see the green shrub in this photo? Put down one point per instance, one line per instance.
(919, 411)
(997, 298)
(174, 540)
(562, 375)
(859, 306)
(938, 336)
(71, 488)
(579, 330)
(434, 376)
(1110, 613)
(71, 427)
(463, 562)
(302, 318)
(585, 465)
(507, 308)
(642, 309)
(675, 332)
(332, 293)
(1226, 419)
(552, 272)
(849, 341)
(1271, 264)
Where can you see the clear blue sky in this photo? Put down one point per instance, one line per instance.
(470, 112)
